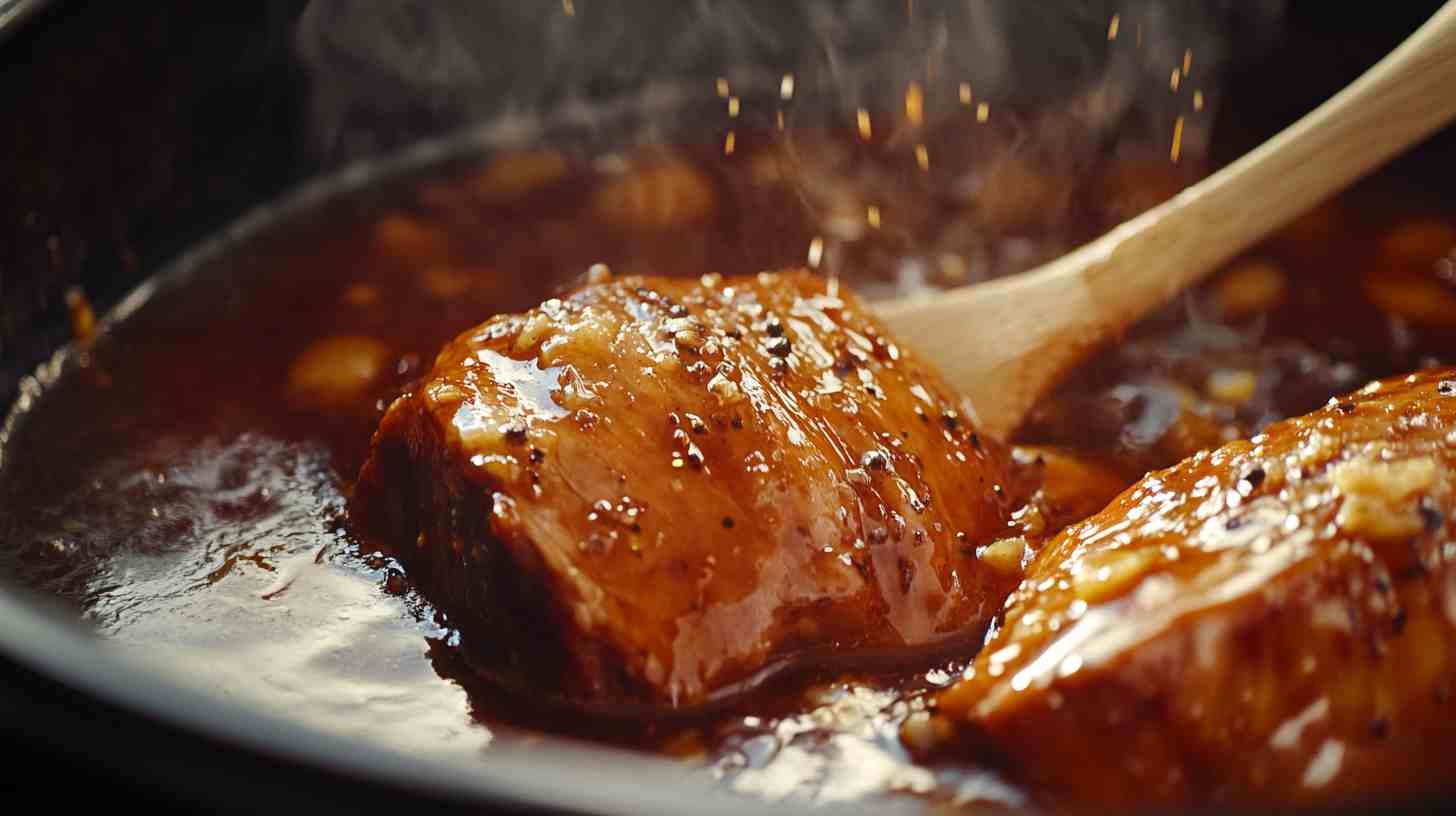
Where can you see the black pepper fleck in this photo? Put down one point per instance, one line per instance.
(586, 420)
(950, 419)
(780, 347)
(874, 460)
(774, 327)
(1446, 388)
(1345, 407)
(1430, 516)
(727, 522)
(395, 583)
(1415, 570)
(514, 431)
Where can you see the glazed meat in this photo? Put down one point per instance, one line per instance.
(655, 490)
(1270, 621)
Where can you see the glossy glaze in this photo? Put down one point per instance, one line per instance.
(684, 483)
(1270, 621)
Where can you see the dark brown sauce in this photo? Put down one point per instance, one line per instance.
(181, 480)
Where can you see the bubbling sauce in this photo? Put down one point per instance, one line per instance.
(180, 479)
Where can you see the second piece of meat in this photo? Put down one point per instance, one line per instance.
(654, 490)
(1271, 621)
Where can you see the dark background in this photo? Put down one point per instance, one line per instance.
(131, 129)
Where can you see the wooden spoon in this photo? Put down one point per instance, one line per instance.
(1006, 342)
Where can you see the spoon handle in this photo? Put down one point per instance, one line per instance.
(1048, 320)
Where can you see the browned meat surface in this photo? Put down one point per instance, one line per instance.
(1271, 621)
(655, 489)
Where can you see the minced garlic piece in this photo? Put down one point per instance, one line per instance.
(724, 389)
(444, 393)
(537, 328)
(923, 731)
(1316, 448)
(1231, 386)
(1111, 574)
(1380, 497)
(1004, 555)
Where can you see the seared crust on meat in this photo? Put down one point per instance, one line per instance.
(654, 489)
(1271, 621)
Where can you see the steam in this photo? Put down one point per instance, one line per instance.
(1012, 95)
(387, 72)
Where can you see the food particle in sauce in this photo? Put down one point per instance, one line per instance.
(1422, 300)
(1232, 386)
(515, 174)
(83, 318)
(661, 195)
(337, 368)
(1250, 287)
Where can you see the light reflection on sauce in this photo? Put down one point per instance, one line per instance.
(328, 653)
